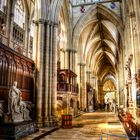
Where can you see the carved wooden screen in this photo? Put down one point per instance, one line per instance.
(15, 67)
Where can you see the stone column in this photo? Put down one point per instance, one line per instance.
(46, 74)
(68, 59)
(54, 71)
(35, 44)
(26, 37)
(35, 41)
(73, 60)
(70, 53)
(84, 91)
(82, 86)
(88, 73)
(52, 74)
(136, 51)
(39, 67)
(50, 69)
(11, 24)
(11, 31)
(134, 38)
(8, 20)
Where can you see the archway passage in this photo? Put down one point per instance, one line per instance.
(109, 87)
(98, 37)
(109, 96)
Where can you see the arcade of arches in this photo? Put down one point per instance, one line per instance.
(68, 55)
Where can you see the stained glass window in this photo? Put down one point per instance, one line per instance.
(3, 5)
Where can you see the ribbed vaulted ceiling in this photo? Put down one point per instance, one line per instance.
(99, 44)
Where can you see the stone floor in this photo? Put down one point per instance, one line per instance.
(89, 126)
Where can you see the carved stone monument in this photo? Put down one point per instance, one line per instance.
(20, 123)
(16, 107)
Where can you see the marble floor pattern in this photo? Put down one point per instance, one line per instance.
(89, 126)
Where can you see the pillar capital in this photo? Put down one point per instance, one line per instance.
(42, 21)
(11, 14)
(52, 23)
(88, 72)
(71, 50)
(55, 24)
(132, 14)
(81, 64)
(29, 29)
(35, 22)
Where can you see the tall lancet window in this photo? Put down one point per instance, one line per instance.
(3, 16)
(31, 39)
(19, 13)
(3, 5)
(19, 23)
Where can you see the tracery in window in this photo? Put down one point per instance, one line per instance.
(32, 29)
(19, 22)
(19, 13)
(31, 39)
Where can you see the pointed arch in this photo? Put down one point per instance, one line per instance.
(83, 21)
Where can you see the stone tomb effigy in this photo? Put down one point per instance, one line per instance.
(16, 130)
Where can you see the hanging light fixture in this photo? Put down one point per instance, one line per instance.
(82, 9)
(112, 5)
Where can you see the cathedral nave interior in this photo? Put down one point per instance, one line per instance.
(69, 59)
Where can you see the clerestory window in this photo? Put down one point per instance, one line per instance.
(3, 4)
(19, 14)
(19, 22)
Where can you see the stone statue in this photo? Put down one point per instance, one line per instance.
(90, 97)
(16, 107)
(90, 100)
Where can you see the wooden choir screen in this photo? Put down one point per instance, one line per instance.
(15, 67)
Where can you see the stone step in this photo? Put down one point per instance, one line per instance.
(41, 133)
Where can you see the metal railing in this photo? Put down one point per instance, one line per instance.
(67, 87)
(116, 136)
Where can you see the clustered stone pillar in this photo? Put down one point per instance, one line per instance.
(54, 70)
(74, 60)
(50, 92)
(70, 63)
(8, 20)
(39, 66)
(88, 73)
(46, 91)
(82, 87)
(11, 30)
(46, 71)
(50, 96)
(84, 91)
